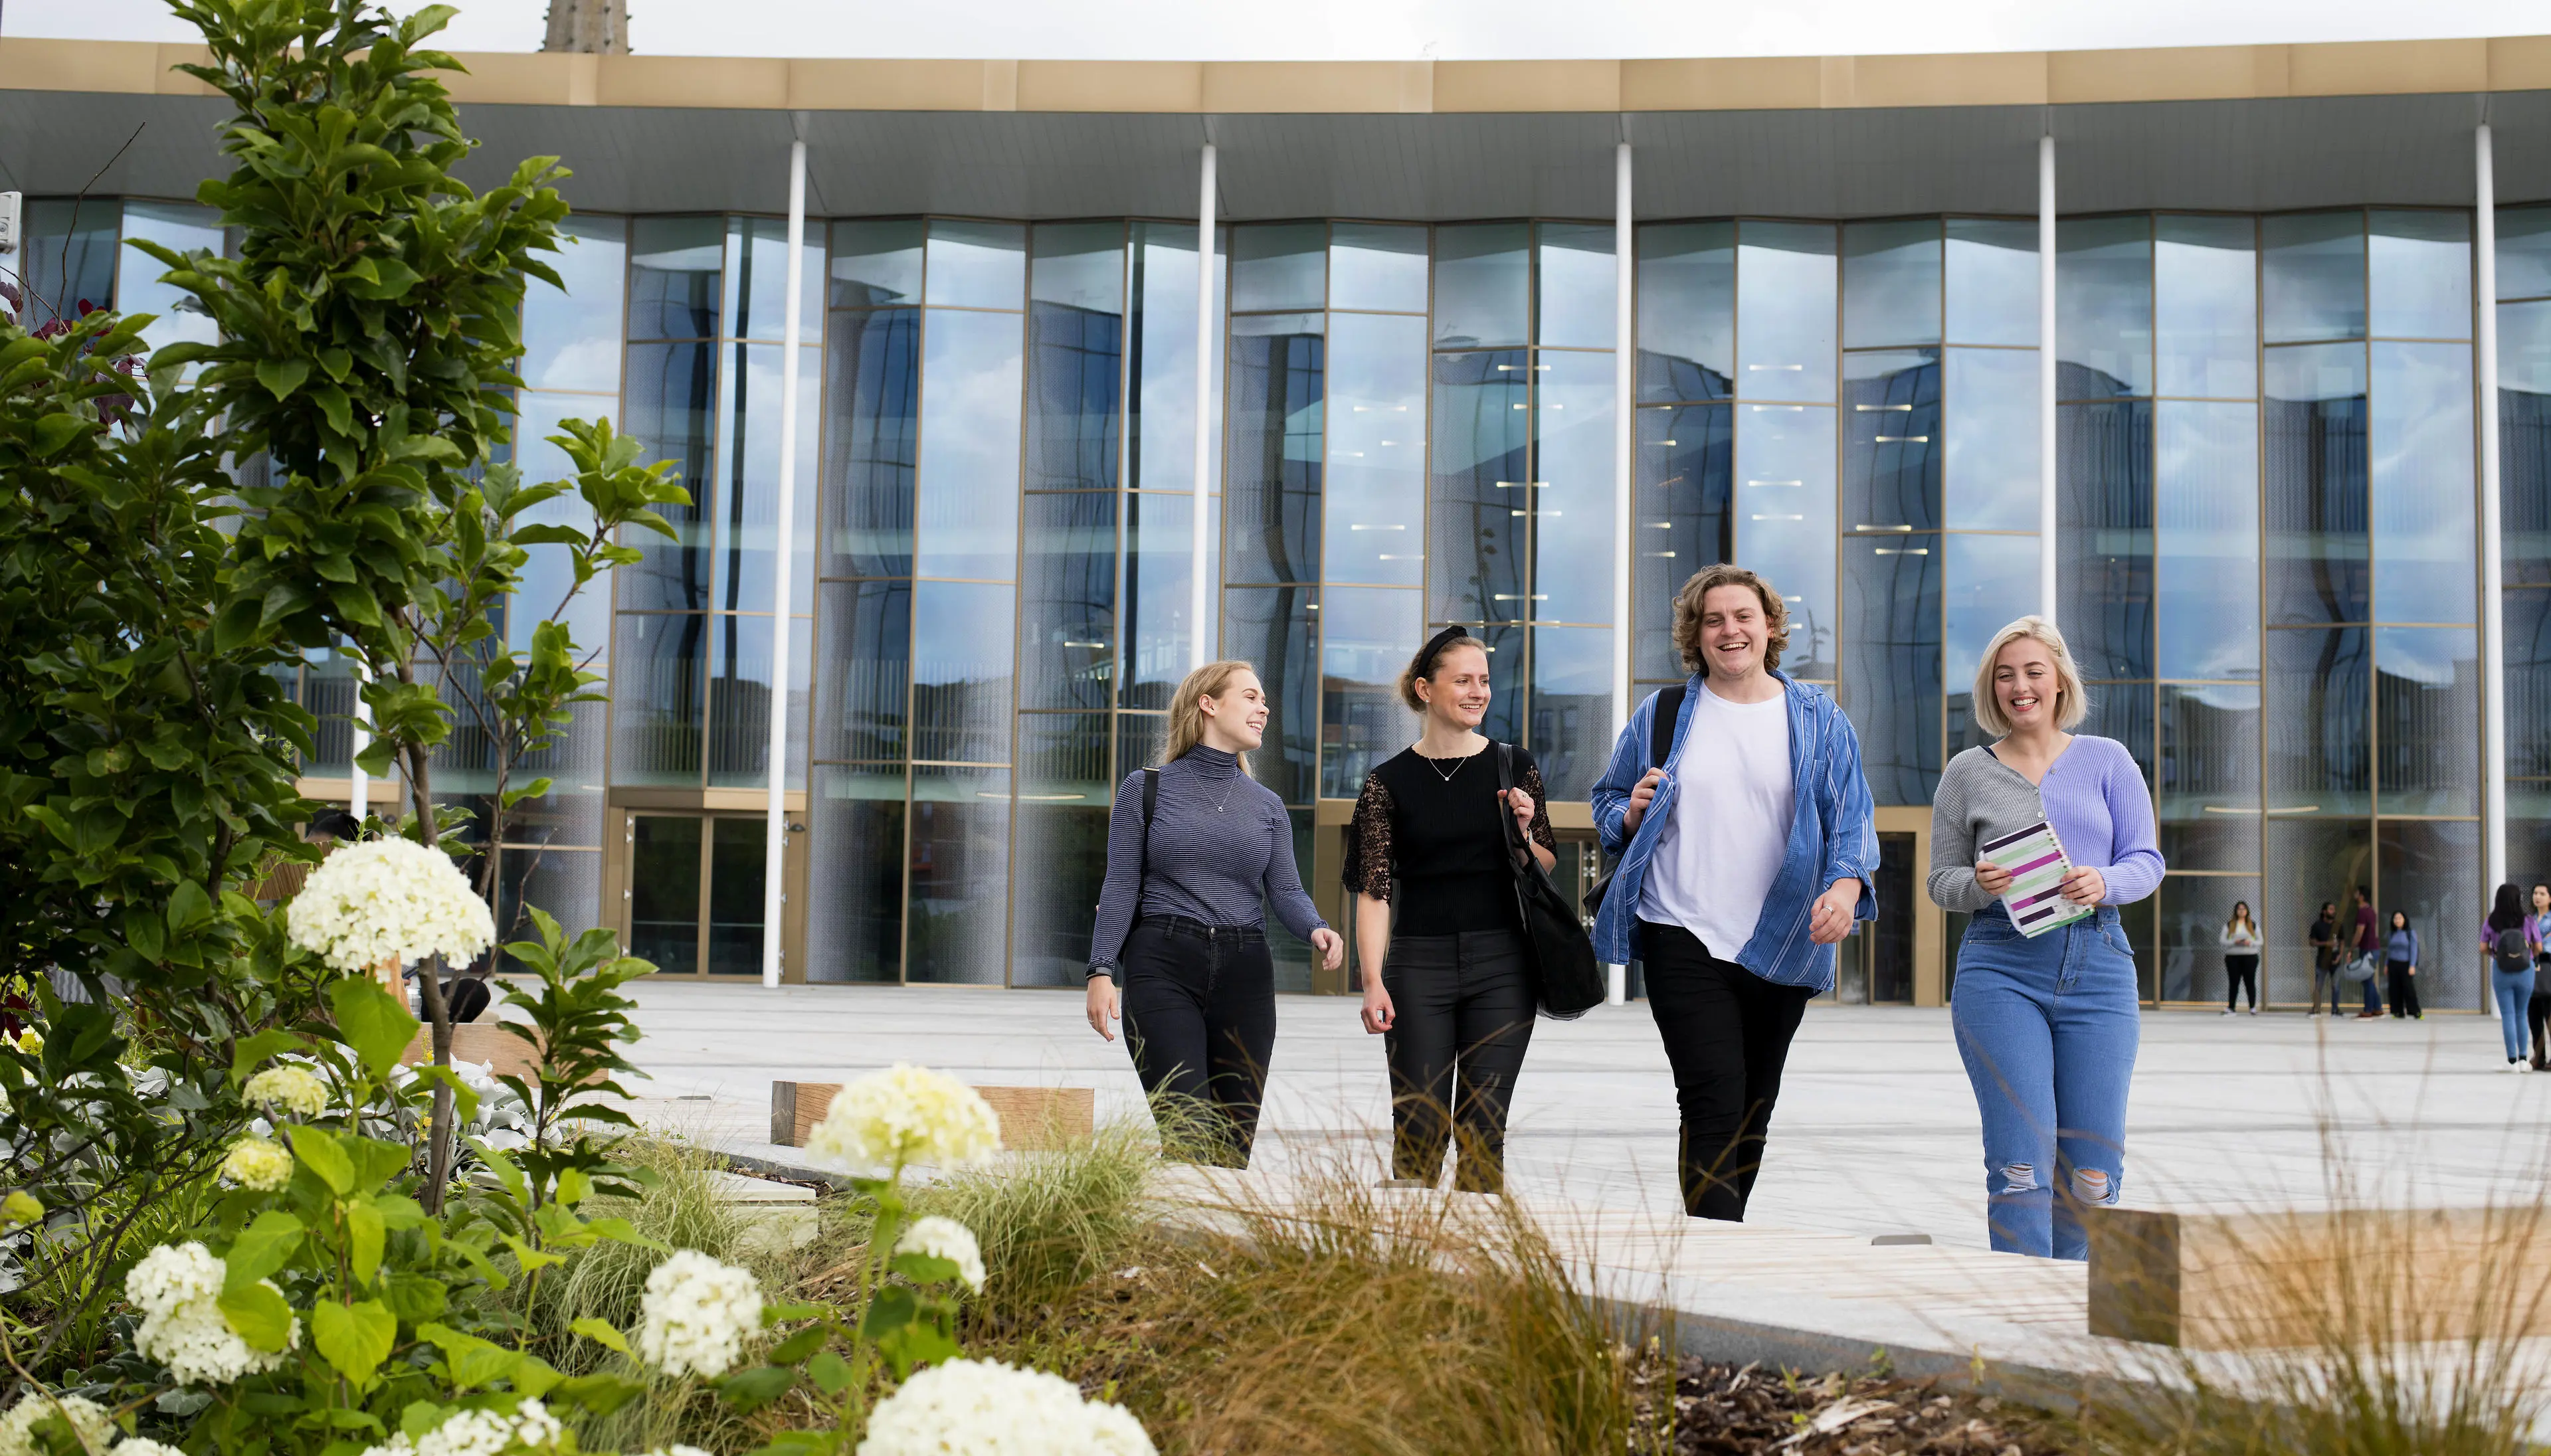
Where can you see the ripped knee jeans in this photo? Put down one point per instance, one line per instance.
(2048, 1030)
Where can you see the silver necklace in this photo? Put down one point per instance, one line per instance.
(1458, 765)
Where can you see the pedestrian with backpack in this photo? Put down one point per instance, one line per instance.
(1197, 850)
(2366, 958)
(2508, 938)
(2537, 1010)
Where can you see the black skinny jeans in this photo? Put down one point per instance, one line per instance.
(2538, 1012)
(1728, 1033)
(2405, 988)
(2241, 972)
(1200, 1022)
(1461, 1009)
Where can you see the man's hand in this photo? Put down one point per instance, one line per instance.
(1331, 946)
(1640, 798)
(1831, 919)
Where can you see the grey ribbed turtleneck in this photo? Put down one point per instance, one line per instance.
(1222, 850)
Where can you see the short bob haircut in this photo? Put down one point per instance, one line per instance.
(1422, 667)
(1687, 614)
(2072, 703)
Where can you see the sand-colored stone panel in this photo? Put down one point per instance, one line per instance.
(526, 78)
(31, 63)
(1325, 87)
(2387, 67)
(743, 84)
(1000, 85)
(1757, 84)
(1527, 85)
(2166, 73)
(2014, 78)
(2519, 63)
(1111, 85)
(885, 85)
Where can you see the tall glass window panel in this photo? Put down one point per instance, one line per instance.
(959, 873)
(1990, 464)
(2419, 275)
(1068, 610)
(2205, 290)
(2194, 909)
(659, 664)
(2205, 547)
(1572, 708)
(1892, 444)
(1482, 487)
(2523, 252)
(1990, 582)
(1687, 457)
(2104, 538)
(1367, 635)
(972, 265)
(1280, 266)
(2104, 307)
(2315, 276)
(1272, 628)
(1378, 265)
(1992, 280)
(2426, 720)
(2525, 440)
(564, 882)
(862, 695)
(854, 883)
(68, 256)
(963, 636)
(876, 262)
(1065, 790)
(1785, 520)
(872, 442)
(1076, 355)
(2207, 775)
(2120, 711)
(2317, 567)
(1142, 740)
(184, 227)
(1687, 306)
(1161, 443)
(1579, 283)
(740, 701)
(756, 279)
(671, 404)
(1891, 671)
(2312, 861)
(1159, 556)
(1572, 506)
(2528, 647)
(1279, 374)
(969, 477)
(1482, 286)
(2430, 872)
(664, 864)
(746, 527)
(1374, 529)
(2419, 448)
(676, 265)
(549, 576)
(1891, 283)
(1784, 311)
(571, 338)
(2320, 694)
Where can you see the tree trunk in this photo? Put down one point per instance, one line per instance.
(438, 1012)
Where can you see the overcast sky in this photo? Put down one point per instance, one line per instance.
(1393, 30)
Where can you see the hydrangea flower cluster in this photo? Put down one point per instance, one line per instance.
(983, 1407)
(145, 1446)
(696, 1315)
(481, 1433)
(294, 1089)
(935, 1237)
(385, 900)
(178, 1289)
(678, 1449)
(255, 1163)
(87, 1418)
(903, 1115)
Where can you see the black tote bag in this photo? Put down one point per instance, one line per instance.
(1565, 978)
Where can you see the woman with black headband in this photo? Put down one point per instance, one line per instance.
(1447, 975)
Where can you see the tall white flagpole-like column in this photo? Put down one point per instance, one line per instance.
(1200, 563)
(2046, 482)
(1625, 558)
(775, 879)
(359, 790)
(2493, 625)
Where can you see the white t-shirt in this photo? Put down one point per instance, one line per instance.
(1722, 847)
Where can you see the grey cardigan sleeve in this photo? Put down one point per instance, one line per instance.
(1952, 881)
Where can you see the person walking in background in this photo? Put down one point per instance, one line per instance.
(1448, 979)
(2240, 940)
(2048, 1026)
(1741, 862)
(2325, 953)
(2537, 1007)
(2400, 960)
(2364, 941)
(2509, 940)
(1197, 850)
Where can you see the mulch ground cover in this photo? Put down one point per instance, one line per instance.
(1741, 1411)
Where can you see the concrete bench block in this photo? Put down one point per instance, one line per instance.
(1034, 1119)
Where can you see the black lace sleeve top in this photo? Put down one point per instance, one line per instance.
(1429, 827)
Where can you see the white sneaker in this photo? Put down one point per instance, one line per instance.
(2254, 1010)
(2517, 1067)
(2227, 1010)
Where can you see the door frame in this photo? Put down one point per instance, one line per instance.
(618, 900)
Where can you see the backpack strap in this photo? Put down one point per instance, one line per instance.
(1143, 862)
(1668, 707)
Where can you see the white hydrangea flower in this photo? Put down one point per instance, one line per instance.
(142, 1446)
(255, 1163)
(946, 1238)
(902, 1115)
(696, 1315)
(678, 1449)
(482, 1433)
(88, 1421)
(293, 1088)
(983, 1407)
(383, 901)
(178, 1289)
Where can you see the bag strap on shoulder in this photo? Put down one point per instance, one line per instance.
(1142, 863)
(1668, 707)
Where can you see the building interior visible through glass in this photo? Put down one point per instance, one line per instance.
(2267, 541)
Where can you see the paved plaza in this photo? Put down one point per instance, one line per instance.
(1875, 1131)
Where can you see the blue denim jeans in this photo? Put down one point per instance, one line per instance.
(2512, 989)
(2048, 1030)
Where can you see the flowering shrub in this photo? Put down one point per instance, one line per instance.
(983, 1407)
(86, 1420)
(255, 1163)
(178, 1289)
(906, 1114)
(288, 1089)
(696, 1315)
(383, 901)
(528, 1427)
(946, 1239)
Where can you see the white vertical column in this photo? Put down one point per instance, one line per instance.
(2492, 655)
(359, 792)
(2046, 485)
(775, 879)
(1624, 435)
(1200, 562)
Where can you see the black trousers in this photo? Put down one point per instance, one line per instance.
(2405, 988)
(2538, 1012)
(2242, 973)
(1200, 1022)
(1463, 1008)
(1728, 1033)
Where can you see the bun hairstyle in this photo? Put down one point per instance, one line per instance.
(1421, 667)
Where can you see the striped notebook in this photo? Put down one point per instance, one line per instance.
(2037, 864)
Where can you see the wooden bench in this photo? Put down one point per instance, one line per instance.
(478, 1041)
(1034, 1119)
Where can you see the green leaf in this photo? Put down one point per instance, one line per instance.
(464, 1097)
(188, 906)
(890, 1310)
(281, 376)
(749, 1390)
(533, 1376)
(376, 1024)
(263, 1247)
(258, 1315)
(829, 1373)
(600, 1394)
(925, 1268)
(415, 1298)
(365, 1235)
(467, 1359)
(320, 1152)
(794, 1349)
(256, 1048)
(355, 1338)
(52, 432)
(602, 1333)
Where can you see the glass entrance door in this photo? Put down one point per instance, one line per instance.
(696, 894)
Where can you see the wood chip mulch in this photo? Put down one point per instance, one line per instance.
(1733, 1410)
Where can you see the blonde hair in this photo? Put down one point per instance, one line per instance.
(1186, 711)
(2072, 703)
(1687, 614)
